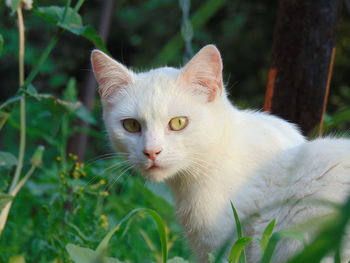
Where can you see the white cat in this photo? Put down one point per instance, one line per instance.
(178, 126)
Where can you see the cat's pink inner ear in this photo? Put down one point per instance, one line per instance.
(110, 74)
(204, 72)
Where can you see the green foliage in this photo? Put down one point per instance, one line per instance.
(69, 19)
(267, 235)
(69, 202)
(237, 249)
(7, 160)
(79, 254)
(329, 238)
(86, 255)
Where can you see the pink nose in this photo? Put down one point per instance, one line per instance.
(152, 153)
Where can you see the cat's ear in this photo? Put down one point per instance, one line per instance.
(110, 74)
(204, 72)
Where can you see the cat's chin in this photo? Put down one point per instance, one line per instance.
(157, 174)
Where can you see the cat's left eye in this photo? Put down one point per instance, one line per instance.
(131, 125)
(178, 123)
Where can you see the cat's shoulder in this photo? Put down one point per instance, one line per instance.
(275, 126)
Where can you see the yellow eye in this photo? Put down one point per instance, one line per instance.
(178, 123)
(131, 125)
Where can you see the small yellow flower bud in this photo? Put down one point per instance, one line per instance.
(76, 175)
(104, 221)
(102, 182)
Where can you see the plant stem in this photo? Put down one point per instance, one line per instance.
(22, 140)
(5, 211)
(44, 55)
(78, 5)
(65, 135)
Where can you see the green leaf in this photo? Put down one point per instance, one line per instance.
(275, 238)
(55, 15)
(78, 231)
(37, 156)
(267, 234)
(294, 234)
(14, 5)
(7, 160)
(238, 223)
(131, 215)
(81, 254)
(238, 248)
(270, 248)
(85, 115)
(70, 92)
(329, 238)
(87, 255)
(17, 259)
(3, 118)
(70, 95)
(10, 101)
(4, 199)
(90, 34)
(239, 231)
(336, 119)
(177, 260)
(211, 258)
(1, 44)
(32, 91)
(337, 257)
(72, 22)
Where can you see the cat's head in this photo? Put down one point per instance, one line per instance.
(165, 120)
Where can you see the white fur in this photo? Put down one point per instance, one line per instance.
(224, 154)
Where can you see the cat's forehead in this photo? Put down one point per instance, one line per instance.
(154, 95)
(155, 86)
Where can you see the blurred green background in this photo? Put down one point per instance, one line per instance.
(57, 206)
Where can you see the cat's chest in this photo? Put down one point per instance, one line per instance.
(207, 221)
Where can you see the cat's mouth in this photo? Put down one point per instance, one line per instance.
(154, 167)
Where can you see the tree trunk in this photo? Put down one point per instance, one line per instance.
(302, 60)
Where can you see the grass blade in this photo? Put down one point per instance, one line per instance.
(238, 222)
(239, 232)
(267, 235)
(157, 219)
(270, 248)
(329, 239)
(337, 258)
(238, 248)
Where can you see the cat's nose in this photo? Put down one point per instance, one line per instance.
(152, 153)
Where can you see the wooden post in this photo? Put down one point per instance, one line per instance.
(302, 59)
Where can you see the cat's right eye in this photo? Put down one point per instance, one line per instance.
(131, 125)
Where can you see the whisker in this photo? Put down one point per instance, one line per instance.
(109, 185)
(116, 165)
(104, 157)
